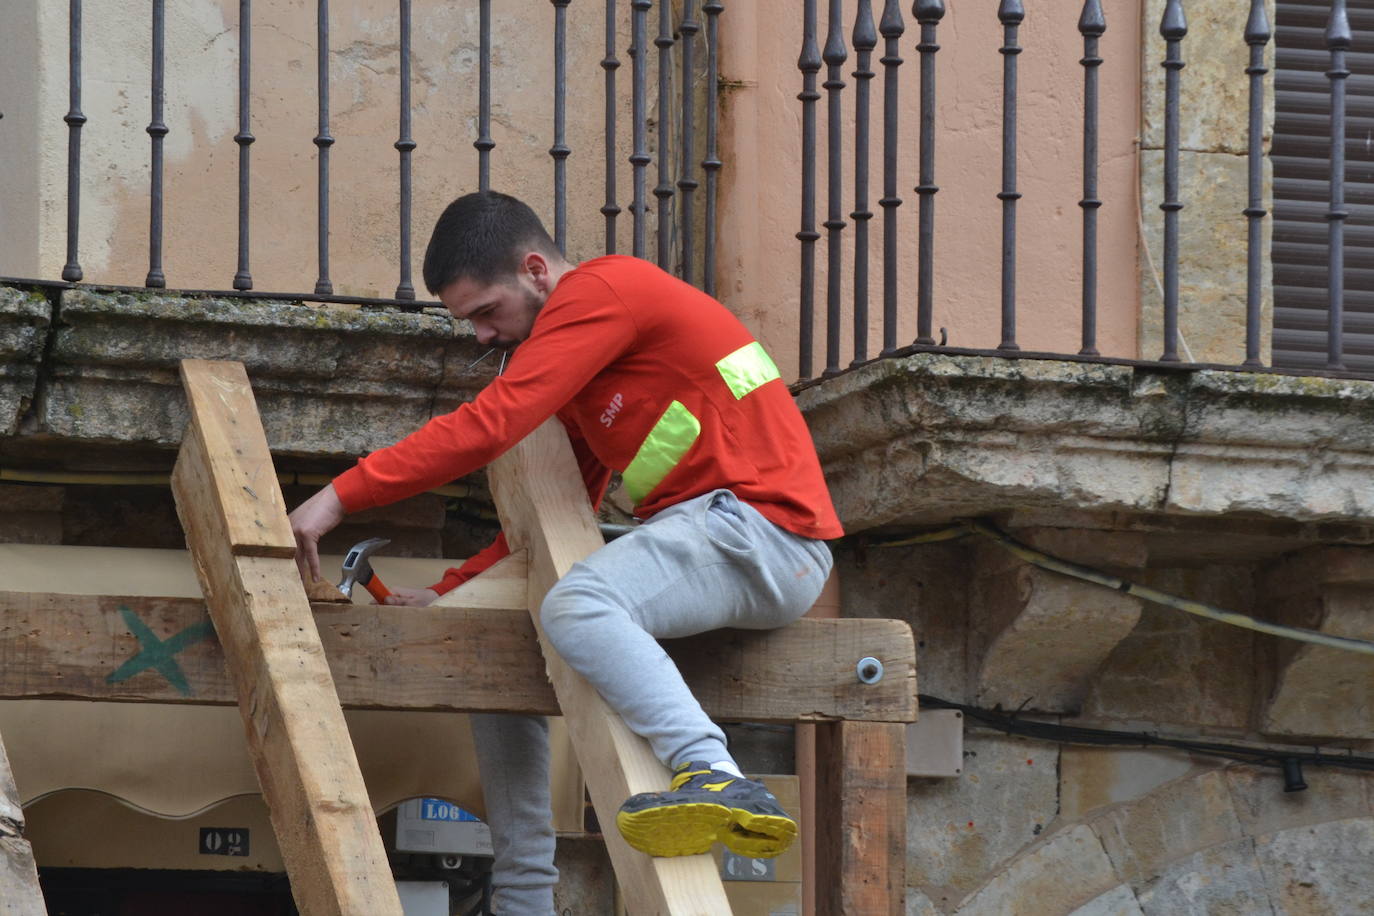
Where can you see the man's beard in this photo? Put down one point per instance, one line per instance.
(532, 305)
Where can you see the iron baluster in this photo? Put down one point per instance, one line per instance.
(834, 55)
(243, 278)
(157, 130)
(928, 13)
(687, 182)
(484, 143)
(1091, 24)
(810, 64)
(71, 271)
(1011, 13)
(865, 39)
(610, 63)
(405, 145)
(1338, 40)
(1173, 27)
(891, 27)
(1257, 34)
(711, 164)
(639, 156)
(559, 151)
(663, 191)
(323, 287)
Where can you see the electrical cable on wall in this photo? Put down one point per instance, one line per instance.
(1043, 560)
(1289, 760)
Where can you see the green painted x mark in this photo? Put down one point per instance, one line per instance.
(158, 653)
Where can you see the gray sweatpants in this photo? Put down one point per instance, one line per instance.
(707, 563)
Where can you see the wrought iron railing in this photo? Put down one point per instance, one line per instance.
(684, 239)
(829, 50)
(680, 236)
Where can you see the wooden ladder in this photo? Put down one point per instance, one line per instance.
(232, 509)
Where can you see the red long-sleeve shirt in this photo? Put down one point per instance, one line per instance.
(617, 341)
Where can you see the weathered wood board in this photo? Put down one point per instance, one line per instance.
(247, 502)
(861, 818)
(468, 659)
(20, 894)
(231, 507)
(543, 507)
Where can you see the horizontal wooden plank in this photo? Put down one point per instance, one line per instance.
(474, 659)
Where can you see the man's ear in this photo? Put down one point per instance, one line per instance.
(537, 266)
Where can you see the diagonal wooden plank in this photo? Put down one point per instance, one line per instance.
(461, 659)
(543, 506)
(247, 500)
(231, 507)
(20, 894)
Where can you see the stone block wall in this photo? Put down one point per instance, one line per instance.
(1213, 177)
(1040, 828)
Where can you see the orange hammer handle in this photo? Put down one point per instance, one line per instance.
(376, 589)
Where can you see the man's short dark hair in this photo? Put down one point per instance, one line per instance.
(482, 237)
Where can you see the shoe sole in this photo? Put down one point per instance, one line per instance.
(691, 828)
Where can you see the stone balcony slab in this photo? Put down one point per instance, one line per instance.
(24, 319)
(927, 438)
(331, 381)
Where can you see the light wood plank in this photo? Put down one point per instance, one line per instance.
(20, 894)
(224, 419)
(861, 818)
(501, 585)
(84, 647)
(224, 484)
(477, 659)
(543, 507)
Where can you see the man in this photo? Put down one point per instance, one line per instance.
(658, 381)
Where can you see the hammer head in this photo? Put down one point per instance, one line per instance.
(357, 568)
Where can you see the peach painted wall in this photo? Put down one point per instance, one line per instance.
(760, 256)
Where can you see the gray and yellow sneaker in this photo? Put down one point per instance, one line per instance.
(701, 806)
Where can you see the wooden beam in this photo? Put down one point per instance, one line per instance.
(543, 506)
(501, 585)
(243, 495)
(20, 894)
(463, 659)
(231, 507)
(861, 818)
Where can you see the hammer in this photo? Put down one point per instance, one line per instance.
(357, 570)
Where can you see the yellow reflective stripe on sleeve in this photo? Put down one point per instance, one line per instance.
(747, 368)
(661, 450)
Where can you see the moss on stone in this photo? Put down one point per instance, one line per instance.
(255, 313)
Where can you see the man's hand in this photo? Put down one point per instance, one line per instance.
(312, 520)
(413, 597)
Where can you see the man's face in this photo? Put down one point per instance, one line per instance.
(501, 313)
